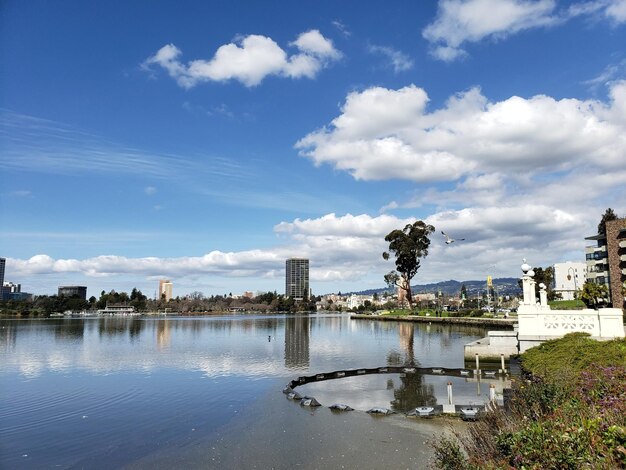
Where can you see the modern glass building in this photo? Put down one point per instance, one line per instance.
(73, 291)
(297, 278)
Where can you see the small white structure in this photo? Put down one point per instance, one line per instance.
(537, 323)
(569, 277)
(355, 301)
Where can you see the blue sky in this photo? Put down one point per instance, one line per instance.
(207, 142)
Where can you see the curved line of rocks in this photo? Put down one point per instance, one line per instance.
(469, 412)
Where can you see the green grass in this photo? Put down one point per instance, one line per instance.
(421, 313)
(567, 304)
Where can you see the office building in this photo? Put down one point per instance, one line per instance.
(3, 262)
(73, 291)
(297, 278)
(11, 287)
(165, 289)
(569, 277)
(606, 260)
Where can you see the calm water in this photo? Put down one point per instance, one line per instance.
(206, 392)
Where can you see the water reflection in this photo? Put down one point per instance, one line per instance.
(147, 384)
(163, 334)
(297, 332)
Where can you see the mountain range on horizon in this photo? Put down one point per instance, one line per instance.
(504, 286)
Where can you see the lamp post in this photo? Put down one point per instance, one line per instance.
(573, 274)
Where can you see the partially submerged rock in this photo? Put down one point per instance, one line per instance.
(309, 401)
(340, 407)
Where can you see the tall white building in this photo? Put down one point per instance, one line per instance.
(569, 277)
(165, 289)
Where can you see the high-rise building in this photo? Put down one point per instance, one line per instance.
(73, 291)
(606, 262)
(165, 289)
(297, 278)
(3, 262)
(616, 249)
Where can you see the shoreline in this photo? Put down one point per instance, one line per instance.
(474, 321)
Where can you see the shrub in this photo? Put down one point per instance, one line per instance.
(569, 413)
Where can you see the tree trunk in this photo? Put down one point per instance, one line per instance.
(409, 294)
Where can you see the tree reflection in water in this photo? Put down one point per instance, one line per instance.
(412, 391)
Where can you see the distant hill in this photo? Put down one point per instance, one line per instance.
(504, 286)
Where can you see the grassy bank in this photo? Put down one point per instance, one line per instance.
(472, 313)
(567, 304)
(570, 412)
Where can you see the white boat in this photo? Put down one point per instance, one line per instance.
(118, 310)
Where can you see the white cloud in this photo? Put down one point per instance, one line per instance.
(150, 190)
(386, 134)
(347, 249)
(345, 226)
(249, 60)
(468, 21)
(609, 76)
(312, 42)
(399, 61)
(616, 10)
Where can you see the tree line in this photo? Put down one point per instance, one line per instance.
(196, 302)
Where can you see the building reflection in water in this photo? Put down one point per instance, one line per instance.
(163, 334)
(8, 338)
(69, 329)
(297, 334)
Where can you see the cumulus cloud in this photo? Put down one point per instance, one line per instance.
(348, 248)
(385, 134)
(249, 60)
(466, 21)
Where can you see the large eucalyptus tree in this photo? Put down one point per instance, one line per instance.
(408, 246)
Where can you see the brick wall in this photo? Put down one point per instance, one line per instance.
(613, 228)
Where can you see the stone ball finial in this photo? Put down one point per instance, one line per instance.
(542, 286)
(531, 273)
(525, 267)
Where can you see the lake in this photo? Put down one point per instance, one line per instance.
(206, 392)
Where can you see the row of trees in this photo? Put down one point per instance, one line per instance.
(195, 302)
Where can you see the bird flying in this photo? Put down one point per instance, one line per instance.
(450, 240)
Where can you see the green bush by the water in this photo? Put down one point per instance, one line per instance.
(568, 357)
(569, 413)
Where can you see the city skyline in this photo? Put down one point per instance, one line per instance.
(210, 143)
